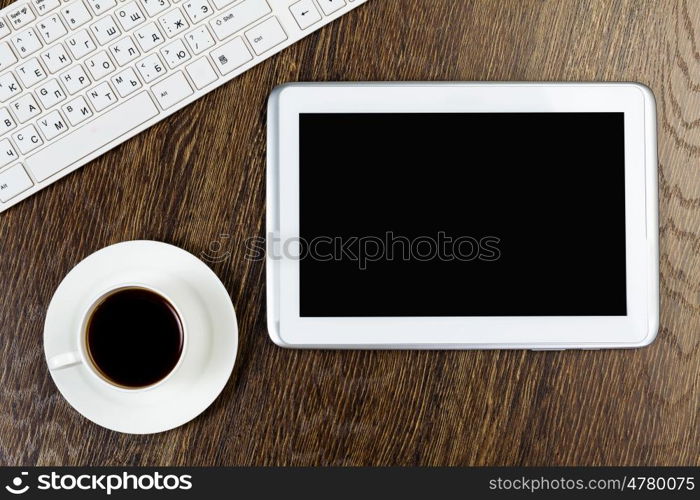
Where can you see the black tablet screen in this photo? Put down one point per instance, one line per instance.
(464, 214)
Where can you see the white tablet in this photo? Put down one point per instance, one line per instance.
(462, 216)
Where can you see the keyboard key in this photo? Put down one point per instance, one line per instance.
(44, 6)
(173, 23)
(30, 72)
(330, 6)
(175, 54)
(75, 15)
(238, 17)
(199, 40)
(231, 55)
(99, 65)
(20, 17)
(154, 7)
(25, 108)
(26, 42)
(52, 125)
(75, 79)
(113, 125)
(51, 28)
(201, 73)
(126, 82)
(102, 96)
(4, 28)
(80, 44)
(305, 13)
(130, 16)
(172, 90)
(77, 111)
(105, 30)
(197, 10)
(266, 35)
(7, 153)
(124, 51)
(150, 68)
(8, 86)
(7, 57)
(148, 37)
(27, 139)
(50, 94)
(100, 6)
(220, 4)
(7, 123)
(13, 181)
(56, 58)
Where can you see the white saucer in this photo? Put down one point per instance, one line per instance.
(212, 337)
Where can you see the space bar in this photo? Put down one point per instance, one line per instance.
(101, 131)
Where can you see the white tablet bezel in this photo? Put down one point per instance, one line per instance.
(638, 328)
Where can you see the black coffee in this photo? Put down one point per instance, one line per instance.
(134, 337)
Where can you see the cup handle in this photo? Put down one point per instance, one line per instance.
(64, 360)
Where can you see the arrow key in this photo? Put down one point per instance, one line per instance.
(305, 13)
(330, 6)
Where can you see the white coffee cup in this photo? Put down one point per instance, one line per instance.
(81, 354)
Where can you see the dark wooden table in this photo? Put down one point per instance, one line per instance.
(200, 175)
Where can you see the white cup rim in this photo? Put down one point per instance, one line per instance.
(82, 334)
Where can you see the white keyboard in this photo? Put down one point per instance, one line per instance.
(79, 77)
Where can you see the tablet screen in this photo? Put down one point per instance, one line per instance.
(462, 214)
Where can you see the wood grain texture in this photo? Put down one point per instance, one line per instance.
(200, 174)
